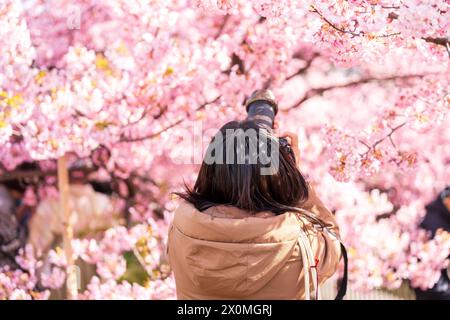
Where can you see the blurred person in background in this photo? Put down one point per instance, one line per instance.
(437, 217)
(92, 212)
(13, 232)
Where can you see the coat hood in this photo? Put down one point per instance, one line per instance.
(229, 252)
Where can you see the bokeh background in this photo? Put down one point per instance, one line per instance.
(106, 107)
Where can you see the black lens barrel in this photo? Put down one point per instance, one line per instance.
(262, 112)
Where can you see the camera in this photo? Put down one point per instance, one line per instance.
(262, 108)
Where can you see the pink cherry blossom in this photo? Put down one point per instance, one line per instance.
(132, 91)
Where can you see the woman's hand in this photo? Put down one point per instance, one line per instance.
(292, 139)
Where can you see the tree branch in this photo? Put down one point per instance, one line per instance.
(33, 174)
(445, 42)
(441, 42)
(388, 136)
(222, 26)
(174, 124)
(352, 33)
(319, 91)
(304, 68)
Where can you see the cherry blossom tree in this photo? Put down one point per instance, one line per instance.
(130, 91)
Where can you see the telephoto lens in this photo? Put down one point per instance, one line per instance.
(262, 108)
(445, 193)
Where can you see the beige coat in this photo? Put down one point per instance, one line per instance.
(225, 253)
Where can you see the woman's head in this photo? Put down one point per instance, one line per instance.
(245, 167)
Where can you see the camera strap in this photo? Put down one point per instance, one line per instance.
(343, 286)
(310, 265)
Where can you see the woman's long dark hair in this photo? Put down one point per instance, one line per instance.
(242, 185)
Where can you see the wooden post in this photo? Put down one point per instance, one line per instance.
(66, 218)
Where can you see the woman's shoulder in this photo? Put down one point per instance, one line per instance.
(227, 211)
(231, 212)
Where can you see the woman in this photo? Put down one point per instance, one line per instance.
(242, 234)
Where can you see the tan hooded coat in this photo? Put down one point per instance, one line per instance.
(227, 253)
